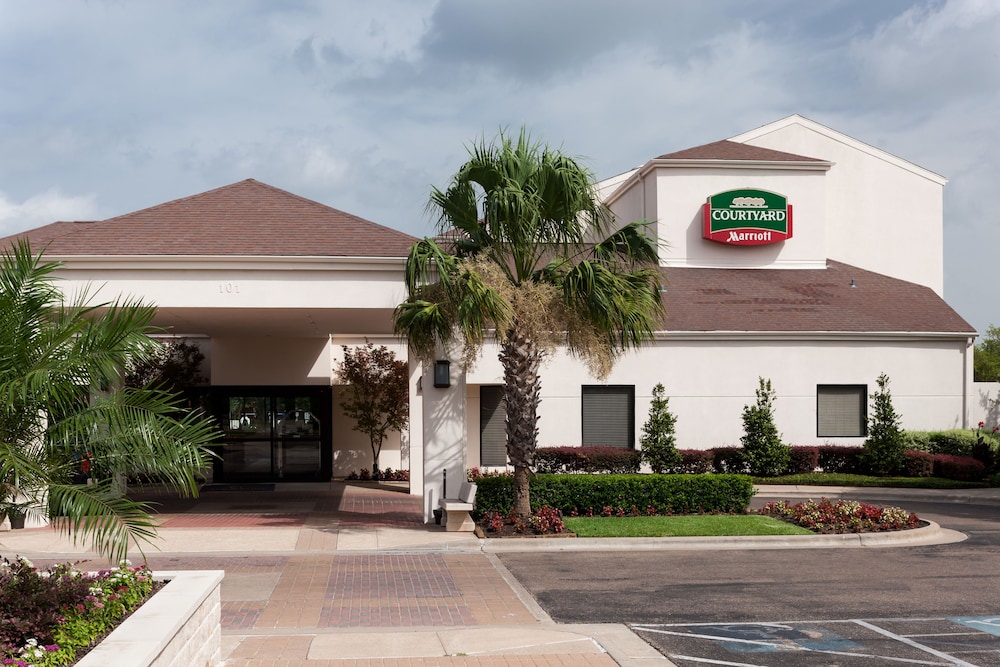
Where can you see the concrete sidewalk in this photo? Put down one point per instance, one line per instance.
(339, 574)
(347, 575)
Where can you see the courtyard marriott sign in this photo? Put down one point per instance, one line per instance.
(748, 217)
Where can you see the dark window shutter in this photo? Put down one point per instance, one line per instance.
(841, 410)
(609, 415)
(492, 427)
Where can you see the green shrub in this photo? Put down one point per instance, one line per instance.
(729, 460)
(885, 446)
(668, 494)
(765, 454)
(953, 443)
(659, 447)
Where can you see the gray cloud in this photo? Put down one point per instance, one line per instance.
(107, 107)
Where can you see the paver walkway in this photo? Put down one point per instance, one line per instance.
(347, 575)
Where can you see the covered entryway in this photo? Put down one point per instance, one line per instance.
(272, 434)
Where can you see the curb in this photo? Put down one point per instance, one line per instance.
(930, 534)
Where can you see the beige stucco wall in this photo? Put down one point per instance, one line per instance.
(271, 360)
(680, 193)
(709, 381)
(883, 214)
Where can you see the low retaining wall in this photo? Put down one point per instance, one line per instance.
(180, 626)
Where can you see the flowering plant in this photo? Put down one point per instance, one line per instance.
(49, 615)
(843, 516)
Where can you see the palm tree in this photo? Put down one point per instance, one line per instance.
(533, 259)
(62, 409)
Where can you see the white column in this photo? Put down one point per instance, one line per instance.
(444, 436)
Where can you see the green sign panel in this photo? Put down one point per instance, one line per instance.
(748, 217)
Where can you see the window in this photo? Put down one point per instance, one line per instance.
(492, 427)
(842, 410)
(609, 415)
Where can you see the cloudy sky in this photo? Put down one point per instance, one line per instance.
(110, 106)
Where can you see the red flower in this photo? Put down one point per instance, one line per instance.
(982, 424)
(85, 464)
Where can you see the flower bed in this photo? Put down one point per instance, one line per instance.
(52, 617)
(843, 516)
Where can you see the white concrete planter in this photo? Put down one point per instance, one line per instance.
(180, 626)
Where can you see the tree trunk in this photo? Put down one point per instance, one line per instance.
(376, 451)
(522, 499)
(521, 359)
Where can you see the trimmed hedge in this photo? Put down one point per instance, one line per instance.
(956, 442)
(590, 459)
(846, 460)
(695, 461)
(803, 460)
(729, 460)
(918, 464)
(963, 468)
(667, 494)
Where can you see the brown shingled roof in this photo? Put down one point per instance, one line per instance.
(734, 151)
(813, 300)
(245, 218)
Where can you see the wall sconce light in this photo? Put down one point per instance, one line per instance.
(442, 373)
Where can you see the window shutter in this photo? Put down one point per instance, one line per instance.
(841, 410)
(609, 415)
(492, 427)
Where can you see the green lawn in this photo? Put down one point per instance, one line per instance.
(699, 525)
(837, 479)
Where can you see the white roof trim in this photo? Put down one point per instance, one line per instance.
(795, 119)
(636, 175)
(874, 336)
(227, 262)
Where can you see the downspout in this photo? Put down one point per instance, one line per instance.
(967, 384)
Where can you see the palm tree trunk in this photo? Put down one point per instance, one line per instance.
(521, 359)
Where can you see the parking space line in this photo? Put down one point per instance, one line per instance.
(909, 642)
(713, 662)
(785, 647)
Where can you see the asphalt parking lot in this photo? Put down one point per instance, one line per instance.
(930, 605)
(846, 643)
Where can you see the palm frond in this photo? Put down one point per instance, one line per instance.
(101, 516)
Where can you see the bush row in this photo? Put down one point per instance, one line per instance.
(956, 442)
(834, 459)
(937, 456)
(668, 494)
(590, 459)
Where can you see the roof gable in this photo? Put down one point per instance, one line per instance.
(733, 151)
(248, 218)
(839, 137)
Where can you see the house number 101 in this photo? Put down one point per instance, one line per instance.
(229, 288)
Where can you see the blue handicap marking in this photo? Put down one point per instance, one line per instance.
(775, 637)
(987, 624)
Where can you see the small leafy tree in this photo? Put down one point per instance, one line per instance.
(377, 396)
(763, 451)
(986, 357)
(174, 366)
(885, 448)
(659, 447)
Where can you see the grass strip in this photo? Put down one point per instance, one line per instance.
(841, 479)
(700, 525)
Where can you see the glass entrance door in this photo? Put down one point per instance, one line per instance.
(272, 433)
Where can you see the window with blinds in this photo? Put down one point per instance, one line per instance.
(842, 410)
(609, 415)
(492, 427)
